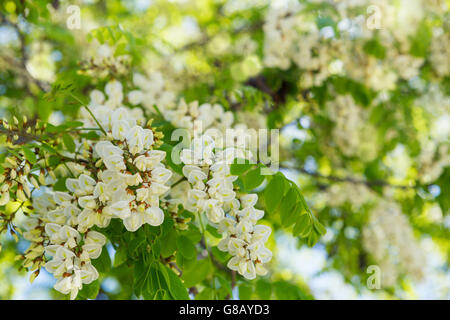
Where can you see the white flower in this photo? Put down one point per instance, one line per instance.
(196, 176)
(52, 230)
(97, 97)
(135, 139)
(147, 138)
(93, 250)
(158, 189)
(261, 232)
(154, 216)
(62, 197)
(88, 273)
(72, 185)
(94, 237)
(62, 253)
(87, 202)
(100, 192)
(135, 97)
(133, 180)
(4, 197)
(115, 163)
(120, 129)
(134, 221)
(142, 194)
(249, 200)
(161, 175)
(120, 209)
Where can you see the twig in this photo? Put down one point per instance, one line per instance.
(368, 183)
(90, 112)
(24, 56)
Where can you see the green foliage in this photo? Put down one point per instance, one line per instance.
(390, 144)
(282, 198)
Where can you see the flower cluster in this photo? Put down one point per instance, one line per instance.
(191, 116)
(114, 192)
(291, 36)
(15, 177)
(109, 109)
(34, 226)
(132, 197)
(348, 132)
(212, 192)
(120, 176)
(152, 90)
(71, 253)
(440, 46)
(390, 239)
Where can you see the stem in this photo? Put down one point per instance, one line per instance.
(158, 111)
(202, 227)
(90, 112)
(368, 183)
(70, 171)
(178, 182)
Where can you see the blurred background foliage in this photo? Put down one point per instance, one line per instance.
(363, 114)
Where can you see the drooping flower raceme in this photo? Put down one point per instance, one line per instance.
(125, 180)
(120, 175)
(213, 193)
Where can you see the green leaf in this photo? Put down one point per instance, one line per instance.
(303, 226)
(103, 262)
(224, 283)
(48, 148)
(73, 124)
(186, 247)
(421, 40)
(239, 166)
(155, 281)
(274, 192)
(169, 243)
(312, 239)
(60, 185)
(193, 233)
(89, 291)
(319, 227)
(253, 179)
(220, 255)
(213, 231)
(374, 47)
(178, 168)
(264, 289)
(135, 244)
(288, 208)
(176, 287)
(205, 294)
(69, 143)
(140, 277)
(156, 249)
(163, 272)
(160, 294)
(53, 161)
(196, 273)
(121, 256)
(29, 155)
(245, 291)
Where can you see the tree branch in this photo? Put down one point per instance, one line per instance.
(368, 183)
(23, 59)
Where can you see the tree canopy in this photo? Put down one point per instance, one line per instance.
(225, 149)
